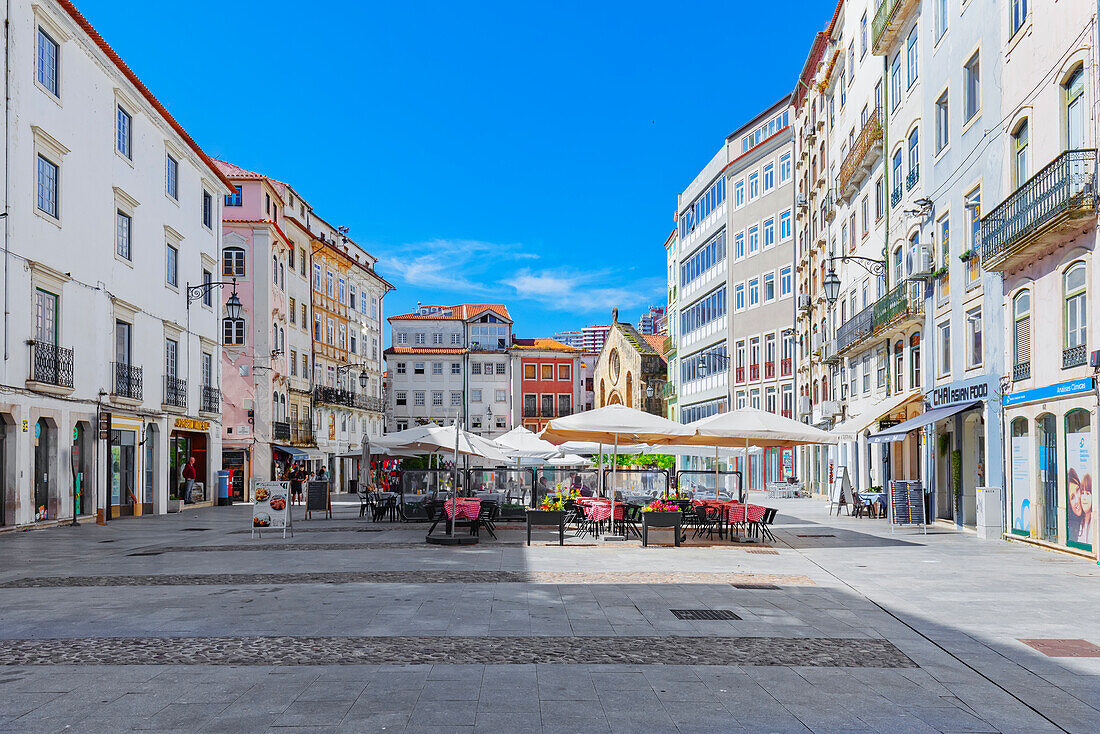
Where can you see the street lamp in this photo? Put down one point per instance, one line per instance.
(233, 305)
(831, 284)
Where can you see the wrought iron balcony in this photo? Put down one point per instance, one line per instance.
(280, 431)
(785, 366)
(895, 195)
(51, 364)
(902, 306)
(888, 24)
(855, 330)
(754, 372)
(1021, 371)
(828, 206)
(913, 177)
(769, 370)
(740, 374)
(786, 413)
(334, 396)
(1060, 196)
(127, 382)
(369, 402)
(211, 400)
(301, 432)
(865, 151)
(175, 392)
(530, 411)
(1074, 356)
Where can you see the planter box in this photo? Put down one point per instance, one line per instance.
(546, 517)
(661, 520)
(513, 512)
(175, 506)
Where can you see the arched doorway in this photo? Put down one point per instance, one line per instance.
(45, 447)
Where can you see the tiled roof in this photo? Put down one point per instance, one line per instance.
(461, 312)
(425, 350)
(550, 345)
(232, 170)
(657, 341)
(641, 342)
(111, 54)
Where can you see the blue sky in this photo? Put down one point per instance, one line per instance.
(525, 153)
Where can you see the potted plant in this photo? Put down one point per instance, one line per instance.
(549, 511)
(661, 514)
(175, 502)
(969, 254)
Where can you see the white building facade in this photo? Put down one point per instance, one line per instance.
(111, 371)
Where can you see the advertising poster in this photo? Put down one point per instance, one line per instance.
(1021, 485)
(272, 508)
(1079, 490)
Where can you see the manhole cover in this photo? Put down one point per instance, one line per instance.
(816, 535)
(757, 587)
(1055, 648)
(704, 614)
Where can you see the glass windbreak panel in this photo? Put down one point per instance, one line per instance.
(636, 485)
(509, 488)
(422, 485)
(552, 481)
(708, 485)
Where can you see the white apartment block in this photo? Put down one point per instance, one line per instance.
(451, 363)
(111, 212)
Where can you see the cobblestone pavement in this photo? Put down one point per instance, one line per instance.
(405, 577)
(866, 652)
(841, 626)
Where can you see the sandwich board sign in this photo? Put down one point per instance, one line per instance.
(840, 493)
(272, 508)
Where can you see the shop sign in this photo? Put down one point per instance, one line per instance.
(1061, 390)
(190, 424)
(964, 391)
(272, 508)
(887, 423)
(104, 426)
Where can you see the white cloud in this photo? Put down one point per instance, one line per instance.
(568, 289)
(450, 264)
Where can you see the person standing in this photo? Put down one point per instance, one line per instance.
(188, 479)
(296, 477)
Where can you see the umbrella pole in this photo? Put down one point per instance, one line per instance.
(716, 472)
(454, 488)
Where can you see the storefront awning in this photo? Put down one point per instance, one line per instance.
(852, 427)
(294, 453)
(897, 433)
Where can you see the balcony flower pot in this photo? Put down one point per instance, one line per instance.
(175, 505)
(968, 255)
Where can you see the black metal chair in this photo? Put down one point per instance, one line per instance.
(708, 520)
(367, 501)
(486, 516)
(763, 527)
(632, 518)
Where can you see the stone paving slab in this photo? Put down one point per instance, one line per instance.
(406, 577)
(397, 650)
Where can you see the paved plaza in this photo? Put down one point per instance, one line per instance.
(184, 623)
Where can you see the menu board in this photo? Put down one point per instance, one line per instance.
(318, 498)
(841, 491)
(272, 508)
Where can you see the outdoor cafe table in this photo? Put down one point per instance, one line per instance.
(874, 498)
(463, 508)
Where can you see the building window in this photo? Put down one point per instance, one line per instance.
(475, 395)
(421, 337)
(785, 281)
(754, 186)
(124, 135)
(972, 87)
(171, 266)
(208, 210)
(739, 194)
(1018, 12)
(456, 368)
(500, 368)
(418, 397)
(208, 292)
(914, 361)
(437, 399)
(234, 199)
(940, 7)
(769, 177)
(974, 338)
(754, 240)
(233, 331)
(48, 185)
(914, 151)
(318, 282)
(769, 232)
(769, 287)
(437, 368)
(123, 235)
(499, 396)
(1020, 145)
(945, 349)
(973, 203)
(456, 398)
(754, 292)
(880, 198)
(785, 232)
(401, 368)
(1076, 306)
(329, 288)
(863, 36)
(49, 63)
(739, 297)
(171, 176)
(911, 57)
(1075, 110)
(784, 168)
(475, 368)
(943, 123)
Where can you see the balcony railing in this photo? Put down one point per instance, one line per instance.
(280, 430)
(754, 372)
(769, 370)
(529, 411)
(1061, 194)
(895, 195)
(346, 398)
(369, 402)
(785, 366)
(902, 304)
(740, 374)
(828, 206)
(127, 381)
(913, 177)
(888, 23)
(1074, 356)
(211, 400)
(175, 392)
(1021, 371)
(51, 364)
(864, 152)
(301, 432)
(786, 413)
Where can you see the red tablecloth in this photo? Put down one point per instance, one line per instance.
(464, 508)
(600, 511)
(735, 512)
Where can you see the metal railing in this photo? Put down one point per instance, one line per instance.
(785, 366)
(887, 9)
(301, 432)
(905, 300)
(127, 382)
(754, 372)
(1074, 356)
(855, 329)
(347, 398)
(1065, 186)
(913, 177)
(895, 195)
(370, 402)
(175, 391)
(280, 430)
(869, 137)
(530, 411)
(769, 370)
(51, 364)
(1021, 371)
(828, 206)
(211, 400)
(740, 374)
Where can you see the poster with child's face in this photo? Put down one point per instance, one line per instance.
(1021, 485)
(1079, 490)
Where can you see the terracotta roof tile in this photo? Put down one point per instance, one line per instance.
(461, 312)
(549, 345)
(425, 350)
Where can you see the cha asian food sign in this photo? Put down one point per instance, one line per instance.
(964, 391)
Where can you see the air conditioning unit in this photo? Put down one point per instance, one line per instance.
(804, 302)
(919, 261)
(805, 407)
(830, 408)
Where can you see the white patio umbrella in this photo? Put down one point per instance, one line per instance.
(752, 427)
(522, 443)
(612, 424)
(569, 460)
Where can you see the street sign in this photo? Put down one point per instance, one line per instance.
(104, 426)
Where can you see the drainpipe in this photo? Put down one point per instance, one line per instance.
(7, 166)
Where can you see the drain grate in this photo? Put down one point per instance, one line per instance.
(762, 551)
(756, 587)
(704, 614)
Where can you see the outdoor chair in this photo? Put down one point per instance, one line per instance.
(486, 515)
(366, 501)
(708, 520)
(764, 526)
(632, 517)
